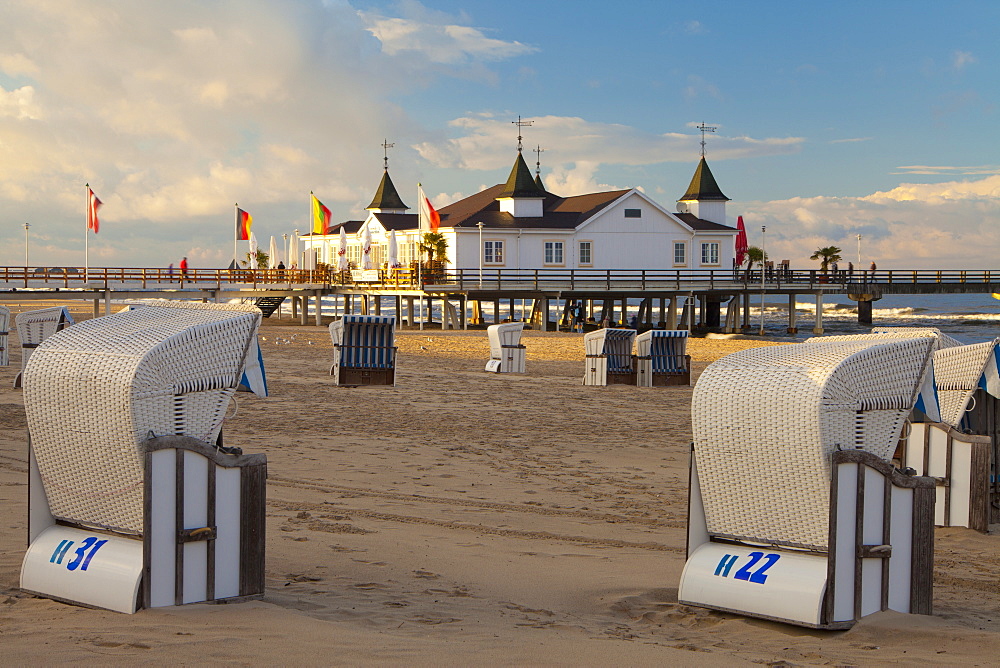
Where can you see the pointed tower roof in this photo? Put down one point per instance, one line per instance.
(538, 182)
(520, 183)
(386, 196)
(703, 186)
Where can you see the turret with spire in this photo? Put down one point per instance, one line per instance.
(522, 196)
(704, 199)
(386, 199)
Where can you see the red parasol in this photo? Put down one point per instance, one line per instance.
(741, 242)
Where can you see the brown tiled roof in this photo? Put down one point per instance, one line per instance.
(696, 223)
(559, 212)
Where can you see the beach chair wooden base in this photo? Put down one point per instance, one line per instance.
(511, 360)
(649, 378)
(960, 465)
(362, 377)
(880, 556)
(202, 541)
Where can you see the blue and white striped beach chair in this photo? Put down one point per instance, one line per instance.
(662, 358)
(364, 351)
(33, 327)
(958, 440)
(609, 357)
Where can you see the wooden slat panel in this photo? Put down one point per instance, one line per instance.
(253, 483)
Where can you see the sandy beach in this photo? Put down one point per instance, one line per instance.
(465, 518)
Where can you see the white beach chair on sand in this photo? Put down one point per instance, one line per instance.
(4, 327)
(507, 355)
(364, 351)
(33, 327)
(609, 357)
(795, 512)
(662, 358)
(961, 448)
(133, 501)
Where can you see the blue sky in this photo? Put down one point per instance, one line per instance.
(833, 119)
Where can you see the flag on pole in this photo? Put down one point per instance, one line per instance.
(93, 204)
(320, 217)
(741, 242)
(243, 222)
(428, 217)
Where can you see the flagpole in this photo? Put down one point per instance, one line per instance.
(86, 239)
(236, 214)
(420, 258)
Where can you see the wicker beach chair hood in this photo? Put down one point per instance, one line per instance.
(93, 393)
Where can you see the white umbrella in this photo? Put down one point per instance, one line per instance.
(272, 255)
(393, 258)
(342, 251)
(253, 251)
(293, 250)
(366, 249)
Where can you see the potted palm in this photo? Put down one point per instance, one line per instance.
(826, 257)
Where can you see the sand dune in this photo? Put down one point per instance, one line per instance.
(469, 518)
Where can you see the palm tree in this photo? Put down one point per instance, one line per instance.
(826, 256)
(262, 260)
(435, 245)
(755, 255)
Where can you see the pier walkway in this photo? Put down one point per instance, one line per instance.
(698, 294)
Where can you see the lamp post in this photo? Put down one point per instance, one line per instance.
(26, 226)
(859, 252)
(481, 252)
(285, 237)
(763, 270)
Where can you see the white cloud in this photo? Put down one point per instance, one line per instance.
(850, 140)
(960, 59)
(486, 143)
(174, 111)
(448, 44)
(914, 226)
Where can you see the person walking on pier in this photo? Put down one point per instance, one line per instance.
(184, 267)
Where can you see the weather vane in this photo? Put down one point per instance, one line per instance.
(705, 128)
(520, 124)
(538, 160)
(385, 152)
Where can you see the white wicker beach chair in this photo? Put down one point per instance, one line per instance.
(33, 327)
(662, 358)
(128, 472)
(364, 351)
(941, 340)
(609, 357)
(507, 355)
(4, 327)
(960, 445)
(791, 451)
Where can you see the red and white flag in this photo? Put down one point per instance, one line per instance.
(93, 204)
(427, 215)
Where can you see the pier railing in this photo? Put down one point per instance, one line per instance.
(490, 279)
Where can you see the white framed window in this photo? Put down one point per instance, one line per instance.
(633, 213)
(553, 252)
(680, 253)
(493, 252)
(586, 254)
(710, 252)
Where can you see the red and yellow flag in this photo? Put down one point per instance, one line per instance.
(320, 217)
(243, 222)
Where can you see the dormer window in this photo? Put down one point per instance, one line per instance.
(633, 213)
